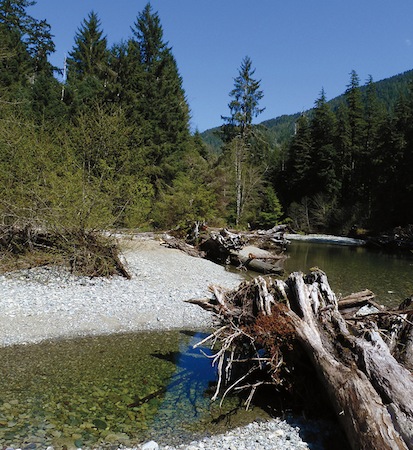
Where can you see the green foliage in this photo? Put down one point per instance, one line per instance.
(87, 66)
(241, 141)
(243, 108)
(357, 171)
(185, 201)
(270, 211)
(89, 54)
(299, 160)
(161, 103)
(112, 146)
(108, 155)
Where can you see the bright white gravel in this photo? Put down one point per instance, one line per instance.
(45, 303)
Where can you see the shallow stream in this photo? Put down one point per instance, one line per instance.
(130, 388)
(352, 269)
(111, 389)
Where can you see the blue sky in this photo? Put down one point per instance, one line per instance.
(298, 47)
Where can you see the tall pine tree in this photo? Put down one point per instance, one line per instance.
(324, 178)
(26, 44)
(161, 105)
(237, 131)
(87, 65)
(353, 154)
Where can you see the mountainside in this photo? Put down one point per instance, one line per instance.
(281, 128)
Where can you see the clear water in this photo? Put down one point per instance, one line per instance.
(135, 387)
(352, 269)
(111, 389)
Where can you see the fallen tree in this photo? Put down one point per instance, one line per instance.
(260, 251)
(361, 352)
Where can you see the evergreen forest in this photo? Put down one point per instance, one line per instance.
(110, 146)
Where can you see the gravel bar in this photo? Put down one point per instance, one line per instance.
(49, 303)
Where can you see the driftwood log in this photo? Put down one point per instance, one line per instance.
(261, 251)
(246, 250)
(362, 358)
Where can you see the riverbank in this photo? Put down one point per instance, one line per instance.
(48, 303)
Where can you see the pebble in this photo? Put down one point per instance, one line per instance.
(49, 302)
(275, 434)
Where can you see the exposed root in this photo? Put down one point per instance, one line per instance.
(365, 368)
(254, 338)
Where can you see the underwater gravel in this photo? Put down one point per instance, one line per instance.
(49, 303)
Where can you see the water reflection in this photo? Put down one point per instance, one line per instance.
(119, 389)
(352, 269)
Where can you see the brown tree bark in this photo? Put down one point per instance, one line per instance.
(370, 390)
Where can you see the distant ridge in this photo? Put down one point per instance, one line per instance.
(281, 128)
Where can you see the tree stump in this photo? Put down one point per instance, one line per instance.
(354, 356)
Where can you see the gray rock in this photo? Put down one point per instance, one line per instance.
(151, 445)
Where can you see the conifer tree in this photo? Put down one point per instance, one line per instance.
(237, 129)
(298, 165)
(374, 118)
(26, 74)
(244, 106)
(87, 64)
(352, 156)
(40, 46)
(26, 44)
(323, 154)
(127, 70)
(161, 104)
(89, 54)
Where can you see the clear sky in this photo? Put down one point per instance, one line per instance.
(298, 47)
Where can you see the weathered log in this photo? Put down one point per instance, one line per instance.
(258, 260)
(366, 393)
(358, 304)
(231, 248)
(179, 244)
(269, 239)
(369, 389)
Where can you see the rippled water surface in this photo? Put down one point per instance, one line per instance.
(111, 389)
(352, 269)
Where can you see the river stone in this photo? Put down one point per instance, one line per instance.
(151, 445)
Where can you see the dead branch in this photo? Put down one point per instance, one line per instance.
(365, 374)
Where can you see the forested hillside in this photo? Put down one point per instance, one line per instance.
(346, 161)
(111, 146)
(108, 147)
(282, 128)
(351, 164)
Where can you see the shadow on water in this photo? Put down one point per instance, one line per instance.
(121, 389)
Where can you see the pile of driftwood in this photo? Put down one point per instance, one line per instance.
(362, 352)
(260, 251)
(85, 252)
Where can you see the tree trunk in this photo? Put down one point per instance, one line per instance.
(371, 392)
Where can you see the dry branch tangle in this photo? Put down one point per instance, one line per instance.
(370, 390)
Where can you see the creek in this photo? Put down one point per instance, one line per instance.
(123, 389)
(128, 388)
(352, 269)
